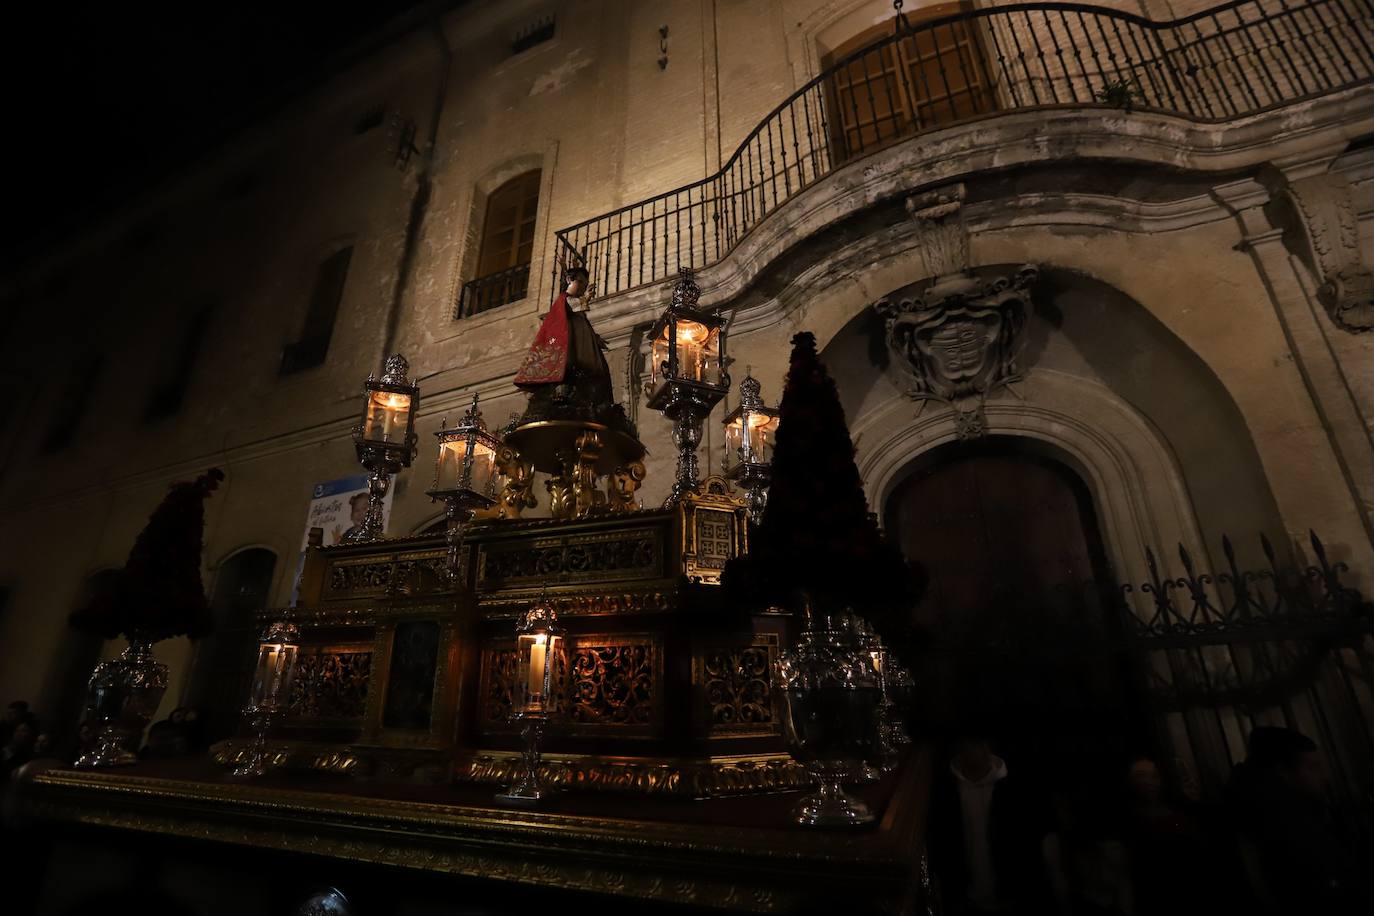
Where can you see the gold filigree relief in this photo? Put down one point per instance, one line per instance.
(734, 688)
(330, 685)
(614, 684)
(644, 776)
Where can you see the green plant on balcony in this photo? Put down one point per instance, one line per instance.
(1120, 93)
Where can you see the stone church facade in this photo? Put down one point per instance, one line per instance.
(1153, 273)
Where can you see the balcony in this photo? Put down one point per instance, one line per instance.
(1220, 64)
(492, 291)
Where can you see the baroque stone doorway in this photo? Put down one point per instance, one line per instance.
(1018, 644)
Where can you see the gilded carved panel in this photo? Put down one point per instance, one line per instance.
(734, 685)
(331, 684)
(416, 572)
(612, 557)
(715, 538)
(359, 578)
(615, 685)
(713, 530)
(497, 688)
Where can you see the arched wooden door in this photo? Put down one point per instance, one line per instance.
(1020, 647)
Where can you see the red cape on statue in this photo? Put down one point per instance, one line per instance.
(547, 361)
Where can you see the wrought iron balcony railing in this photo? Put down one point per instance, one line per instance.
(493, 290)
(1235, 59)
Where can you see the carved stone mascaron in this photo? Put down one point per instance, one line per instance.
(957, 341)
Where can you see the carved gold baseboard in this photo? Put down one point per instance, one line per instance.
(708, 777)
(692, 778)
(428, 767)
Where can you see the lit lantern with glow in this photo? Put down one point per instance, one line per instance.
(276, 668)
(389, 411)
(539, 644)
(687, 347)
(385, 438)
(388, 416)
(467, 459)
(538, 654)
(464, 478)
(687, 376)
(271, 691)
(749, 432)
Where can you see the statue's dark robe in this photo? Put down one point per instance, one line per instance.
(567, 362)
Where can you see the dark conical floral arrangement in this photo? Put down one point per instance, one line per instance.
(817, 535)
(158, 594)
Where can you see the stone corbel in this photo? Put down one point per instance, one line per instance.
(1327, 238)
(941, 233)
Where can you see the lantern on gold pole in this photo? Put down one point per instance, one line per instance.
(271, 692)
(538, 649)
(749, 431)
(385, 439)
(687, 376)
(464, 478)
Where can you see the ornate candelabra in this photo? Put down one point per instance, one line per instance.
(272, 680)
(464, 478)
(539, 647)
(901, 687)
(385, 439)
(749, 431)
(123, 695)
(870, 642)
(830, 698)
(687, 376)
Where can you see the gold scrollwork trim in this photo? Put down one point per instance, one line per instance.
(615, 685)
(617, 555)
(358, 615)
(417, 765)
(732, 688)
(507, 605)
(713, 778)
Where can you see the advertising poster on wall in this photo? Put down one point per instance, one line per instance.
(337, 507)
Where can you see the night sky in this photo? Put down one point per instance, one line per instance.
(105, 98)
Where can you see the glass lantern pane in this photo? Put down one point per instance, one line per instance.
(287, 674)
(450, 466)
(275, 670)
(658, 361)
(483, 478)
(532, 672)
(538, 659)
(387, 416)
(760, 438)
(733, 439)
(711, 364)
(693, 349)
(767, 435)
